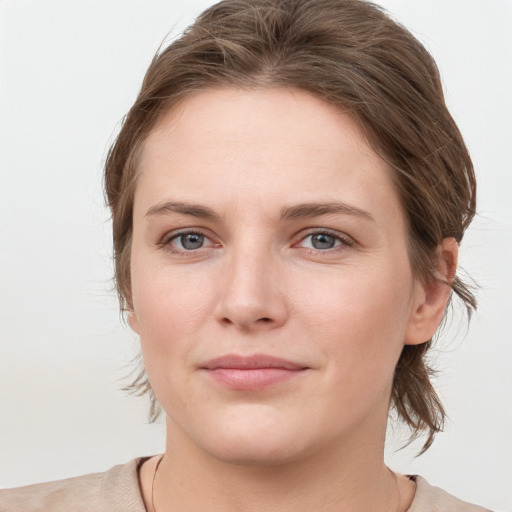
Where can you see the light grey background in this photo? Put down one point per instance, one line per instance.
(69, 70)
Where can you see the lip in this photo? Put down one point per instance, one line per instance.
(251, 373)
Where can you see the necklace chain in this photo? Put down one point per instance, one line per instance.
(397, 486)
(161, 458)
(153, 484)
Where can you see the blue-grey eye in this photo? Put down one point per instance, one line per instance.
(323, 241)
(191, 241)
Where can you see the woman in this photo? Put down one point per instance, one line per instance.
(288, 195)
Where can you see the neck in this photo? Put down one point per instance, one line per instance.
(350, 476)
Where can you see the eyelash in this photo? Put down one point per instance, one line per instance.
(165, 243)
(346, 241)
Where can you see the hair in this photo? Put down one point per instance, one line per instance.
(353, 55)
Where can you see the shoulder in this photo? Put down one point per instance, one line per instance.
(115, 490)
(433, 499)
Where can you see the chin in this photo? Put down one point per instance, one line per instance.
(252, 452)
(252, 437)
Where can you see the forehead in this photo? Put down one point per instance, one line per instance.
(264, 146)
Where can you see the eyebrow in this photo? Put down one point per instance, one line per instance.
(300, 211)
(307, 210)
(194, 210)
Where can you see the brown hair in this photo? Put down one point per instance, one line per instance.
(353, 55)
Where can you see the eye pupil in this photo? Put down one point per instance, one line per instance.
(192, 241)
(323, 241)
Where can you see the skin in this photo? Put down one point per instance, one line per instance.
(260, 284)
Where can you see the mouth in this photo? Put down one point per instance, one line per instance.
(251, 373)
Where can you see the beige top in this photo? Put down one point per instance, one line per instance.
(117, 490)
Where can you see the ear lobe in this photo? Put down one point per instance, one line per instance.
(132, 321)
(431, 298)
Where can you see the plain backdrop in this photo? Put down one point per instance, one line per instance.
(69, 70)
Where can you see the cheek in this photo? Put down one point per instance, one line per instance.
(170, 311)
(359, 319)
(169, 303)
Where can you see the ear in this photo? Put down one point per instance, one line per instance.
(132, 321)
(430, 299)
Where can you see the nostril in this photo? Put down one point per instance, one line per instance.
(265, 319)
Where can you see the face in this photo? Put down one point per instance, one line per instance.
(271, 285)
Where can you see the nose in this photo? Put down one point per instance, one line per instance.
(251, 295)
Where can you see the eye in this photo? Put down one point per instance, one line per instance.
(324, 241)
(188, 241)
